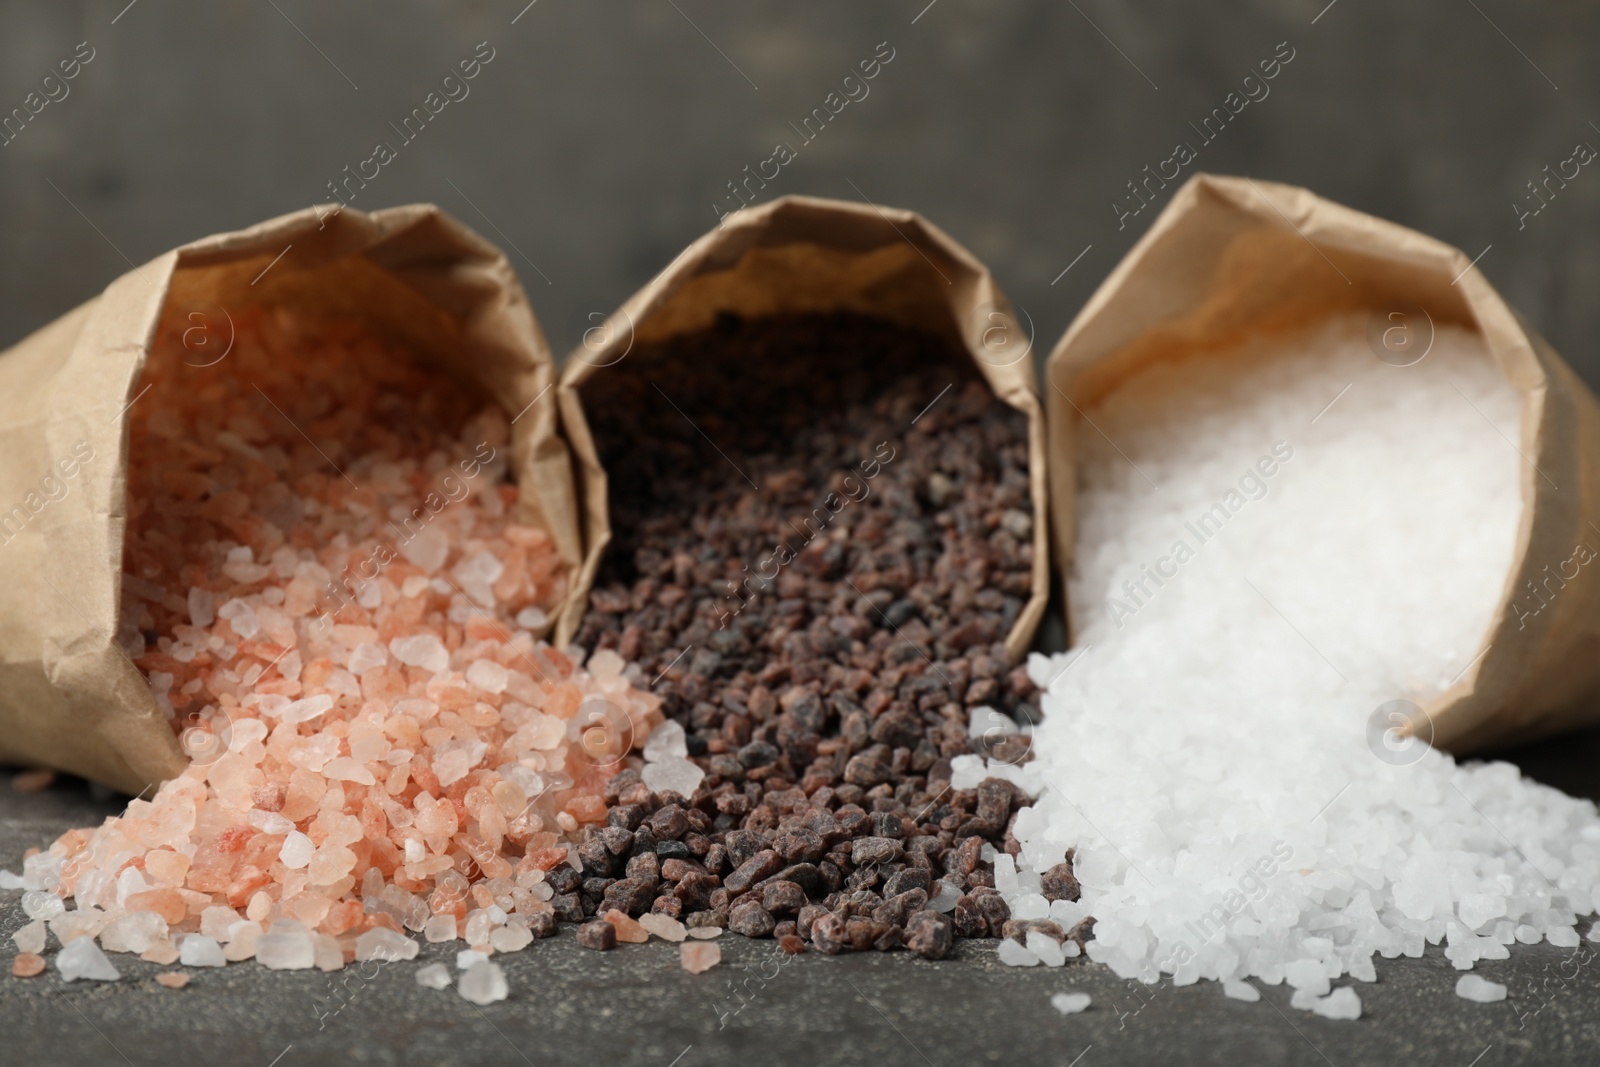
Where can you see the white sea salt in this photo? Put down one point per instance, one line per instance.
(672, 774)
(1070, 1003)
(382, 943)
(1014, 954)
(422, 650)
(287, 946)
(1342, 1003)
(483, 983)
(466, 957)
(1477, 988)
(434, 976)
(82, 958)
(198, 950)
(1238, 990)
(30, 937)
(1260, 571)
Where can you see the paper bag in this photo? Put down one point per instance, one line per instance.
(801, 255)
(1231, 256)
(69, 696)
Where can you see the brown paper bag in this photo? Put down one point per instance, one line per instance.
(69, 697)
(1231, 255)
(801, 255)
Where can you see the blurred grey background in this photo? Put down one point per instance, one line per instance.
(600, 139)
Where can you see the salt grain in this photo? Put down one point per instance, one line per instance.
(1070, 1003)
(434, 976)
(198, 950)
(82, 958)
(483, 983)
(1476, 988)
(699, 957)
(663, 926)
(30, 937)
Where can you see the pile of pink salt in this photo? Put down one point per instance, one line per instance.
(329, 594)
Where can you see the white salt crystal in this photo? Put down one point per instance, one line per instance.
(512, 937)
(134, 932)
(198, 950)
(299, 711)
(663, 926)
(440, 928)
(82, 958)
(382, 943)
(38, 904)
(1562, 936)
(945, 897)
(216, 920)
(1307, 974)
(987, 722)
(296, 850)
(10, 880)
(422, 650)
(1237, 990)
(365, 656)
(674, 774)
(428, 549)
(201, 613)
(241, 616)
(487, 675)
(1476, 988)
(531, 618)
(467, 957)
(1070, 1003)
(1475, 909)
(346, 769)
(434, 976)
(1342, 1003)
(483, 983)
(287, 946)
(30, 937)
(1013, 954)
(1045, 947)
(666, 741)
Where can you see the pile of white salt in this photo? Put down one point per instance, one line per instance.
(1271, 549)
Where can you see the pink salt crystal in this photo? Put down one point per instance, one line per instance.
(705, 933)
(166, 866)
(699, 957)
(488, 676)
(242, 940)
(260, 907)
(627, 929)
(27, 965)
(663, 926)
(161, 952)
(173, 979)
(30, 937)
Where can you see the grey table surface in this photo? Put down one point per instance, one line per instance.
(597, 144)
(635, 1005)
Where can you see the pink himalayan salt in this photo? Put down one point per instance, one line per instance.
(27, 965)
(321, 753)
(698, 957)
(627, 929)
(173, 979)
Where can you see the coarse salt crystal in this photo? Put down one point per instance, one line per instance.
(434, 976)
(198, 950)
(1477, 988)
(82, 958)
(697, 957)
(421, 650)
(1070, 1003)
(483, 983)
